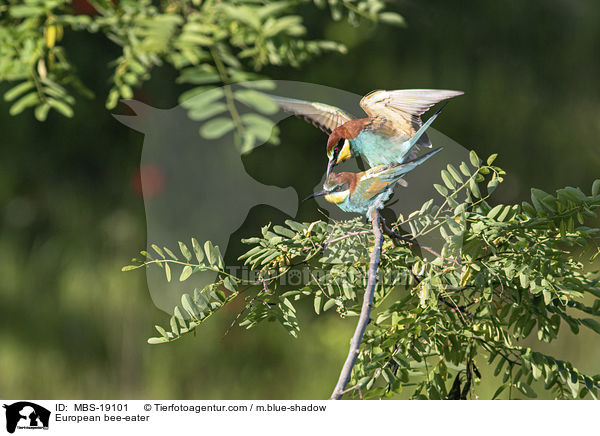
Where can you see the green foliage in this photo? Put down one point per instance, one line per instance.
(210, 44)
(202, 303)
(30, 55)
(503, 273)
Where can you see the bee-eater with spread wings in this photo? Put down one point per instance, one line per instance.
(383, 137)
(368, 190)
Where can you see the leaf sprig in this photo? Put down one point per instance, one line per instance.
(211, 44)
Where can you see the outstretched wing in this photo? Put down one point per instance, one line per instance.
(398, 112)
(406, 104)
(321, 115)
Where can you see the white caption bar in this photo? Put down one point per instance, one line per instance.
(23, 417)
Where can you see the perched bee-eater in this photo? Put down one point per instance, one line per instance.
(368, 190)
(383, 137)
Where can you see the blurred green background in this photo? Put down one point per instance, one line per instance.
(74, 326)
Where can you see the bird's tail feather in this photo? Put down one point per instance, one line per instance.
(394, 172)
(424, 127)
(411, 165)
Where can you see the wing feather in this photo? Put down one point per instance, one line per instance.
(406, 103)
(375, 186)
(399, 111)
(322, 116)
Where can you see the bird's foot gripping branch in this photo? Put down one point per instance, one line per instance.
(438, 315)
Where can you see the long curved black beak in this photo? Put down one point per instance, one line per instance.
(330, 166)
(315, 194)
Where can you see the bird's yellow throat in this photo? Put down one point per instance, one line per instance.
(337, 197)
(345, 152)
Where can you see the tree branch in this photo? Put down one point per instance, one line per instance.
(365, 312)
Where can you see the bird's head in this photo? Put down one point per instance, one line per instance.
(338, 150)
(336, 188)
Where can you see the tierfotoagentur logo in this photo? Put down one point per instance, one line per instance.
(26, 415)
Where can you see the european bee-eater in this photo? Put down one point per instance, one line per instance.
(383, 137)
(368, 190)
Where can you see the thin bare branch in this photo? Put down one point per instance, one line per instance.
(365, 311)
